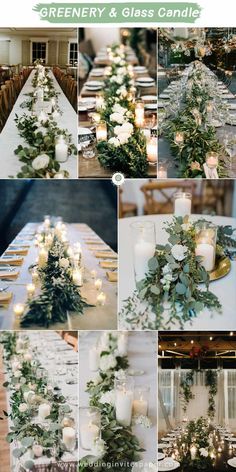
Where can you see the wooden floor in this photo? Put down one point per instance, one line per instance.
(4, 446)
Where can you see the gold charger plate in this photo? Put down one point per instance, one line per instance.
(222, 268)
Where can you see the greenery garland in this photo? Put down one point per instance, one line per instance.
(38, 155)
(211, 382)
(23, 431)
(121, 446)
(128, 155)
(199, 136)
(172, 282)
(198, 434)
(186, 392)
(59, 293)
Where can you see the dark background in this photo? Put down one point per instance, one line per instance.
(93, 202)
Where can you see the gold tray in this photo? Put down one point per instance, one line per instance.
(222, 268)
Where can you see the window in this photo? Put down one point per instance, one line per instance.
(39, 51)
(231, 393)
(73, 57)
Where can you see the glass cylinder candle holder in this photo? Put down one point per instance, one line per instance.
(151, 148)
(144, 243)
(179, 138)
(122, 343)
(101, 131)
(89, 151)
(206, 234)
(183, 203)
(99, 101)
(140, 403)
(162, 171)
(61, 149)
(212, 160)
(89, 427)
(139, 113)
(124, 395)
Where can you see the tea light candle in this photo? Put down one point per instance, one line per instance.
(44, 411)
(182, 204)
(143, 251)
(94, 359)
(139, 113)
(61, 150)
(101, 298)
(140, 407)
(124, 404)
(122, 344)
(193, 452)
(99, 102)
(19, 309)
(179, 137)
(101, 131)
(88, 434)
(212, 160)
(30, 289)
(43, 258)
(77, 277)
(152, 150)
(98, 284)
(68, 437)
(207, 253)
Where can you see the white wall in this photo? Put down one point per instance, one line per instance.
(102, 37)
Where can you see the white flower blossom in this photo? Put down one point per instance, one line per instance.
(99, 448)
(114, 141)
(40, 162)
(17, 374)
(117, 118)
(23, 407)
(117, 108)
(203, 452)
(108, 397)
(179, 252)
(64, 263)
(107, 362)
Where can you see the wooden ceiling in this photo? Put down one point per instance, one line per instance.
(211, 344)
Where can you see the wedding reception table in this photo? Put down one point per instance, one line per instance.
(224, 288)
(10, 139)
(142, 357)
(94, 317)
(61, 363)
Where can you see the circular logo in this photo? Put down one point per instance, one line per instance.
(118, 179)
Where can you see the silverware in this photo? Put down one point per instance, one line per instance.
(2, 289)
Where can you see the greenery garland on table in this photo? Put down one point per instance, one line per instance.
(119, 446)
(25, 433)
(59, 294)
(199, 136)
(125, 150)
(38, 155)
(172, 283)
(186, 389)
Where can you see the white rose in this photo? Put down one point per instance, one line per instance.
(17, 374)
(124, 138)
(127, 128)
(114, 141)
(37, 450)
(29, 396)
(117, 108)
(23, 407)
(108, 397)
(16, 365)
(27, 357)
(179, 252)
(117, 117)
(17, 387)
(64, 263)
(97, 380)
(41, 162)
(203, 452)
(107, 362)
(120, 374)
(99, 448)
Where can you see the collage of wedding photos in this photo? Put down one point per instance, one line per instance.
(117, 249)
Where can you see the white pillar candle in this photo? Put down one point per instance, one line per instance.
(44, 411)
(68, 437)
(30, 289)
(94, 359)
(43, 258)
(193, 451)
(152, 150)
(42, 116)
(207, 252)
(140, 407)
(98, 284)
(77, 277)
(124, 402)
(101, 131)
(88, 434)
(143, 251)
(101, 298)
(122, 344)
(182, 206)
(139, 114)
(61, 150)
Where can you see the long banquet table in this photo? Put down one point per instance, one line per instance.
(223, 288)
(142, 357)
(10, 139)
(95, 317)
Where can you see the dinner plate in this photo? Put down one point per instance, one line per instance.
(168, 464)
(140, 69)
(93, 83)
(149, 98)
(84, 131)
(145, 84)
(232, 462)
(99, 72)
(167, 439)
(160, 456)
(163, 446)
(150, 106)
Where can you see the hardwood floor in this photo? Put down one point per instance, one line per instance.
(4, 446)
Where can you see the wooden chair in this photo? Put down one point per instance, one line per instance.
(3, 111)
(159, 196)
(126, 208)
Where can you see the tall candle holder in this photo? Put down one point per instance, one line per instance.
(61, 149)
(89, 427)
(183, 203)
(124, 400)
(152, 150)
(101, 131)
(139, 113)
(140, 403)
(144, 243)
(206, 235)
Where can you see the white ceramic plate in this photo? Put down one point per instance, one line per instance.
(166, 439)
(150, 106)
(160, 456)
(145, 84)
(149, 98)
(163, 446)
(145, 79)
(94, 83)
(168, 464)
(140, 69)
(232, 462)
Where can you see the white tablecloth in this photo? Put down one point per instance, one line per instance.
(224, 288)
(142, 356)
(98, 317)
(10, 139)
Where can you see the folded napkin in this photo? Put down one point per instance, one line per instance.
(105, 255)
(20, 250)
(8, 275)
(108, 264)
(112, 276)
(12, 260)
(5, 297)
